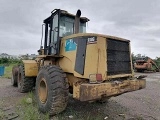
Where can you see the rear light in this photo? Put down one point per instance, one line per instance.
(99, 77)
(95, 78)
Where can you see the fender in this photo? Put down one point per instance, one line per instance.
(30, 68)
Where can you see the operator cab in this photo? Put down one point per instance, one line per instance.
(61, 24)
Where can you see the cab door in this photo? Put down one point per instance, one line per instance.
(54, 34)
(51, 34)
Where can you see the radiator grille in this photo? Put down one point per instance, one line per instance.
(118, 57)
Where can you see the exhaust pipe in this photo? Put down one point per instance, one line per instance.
(77, 21)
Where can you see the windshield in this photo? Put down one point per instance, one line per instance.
(67, 26)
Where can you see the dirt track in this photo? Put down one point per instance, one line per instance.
(139, 105)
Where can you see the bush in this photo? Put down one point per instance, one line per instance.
(7, 61)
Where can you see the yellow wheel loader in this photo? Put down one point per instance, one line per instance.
(89, 66)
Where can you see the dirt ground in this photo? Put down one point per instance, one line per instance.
(138, 105)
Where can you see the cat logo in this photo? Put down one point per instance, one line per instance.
(92, 40)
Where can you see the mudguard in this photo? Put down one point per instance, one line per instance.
(30, 68)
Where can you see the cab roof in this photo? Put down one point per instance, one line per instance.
(65, 13)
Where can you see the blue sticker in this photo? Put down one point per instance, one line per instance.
(70, 45)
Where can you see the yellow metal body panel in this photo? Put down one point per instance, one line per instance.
(86, 92)
(95, 60)
(30, 67)
(102, 58)
(67, 63)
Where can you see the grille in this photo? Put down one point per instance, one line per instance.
(118, 57)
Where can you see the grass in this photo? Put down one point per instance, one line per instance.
(29, 111)
(1, 115)
(8, 71)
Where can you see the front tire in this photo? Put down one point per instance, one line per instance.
(25, 84)
(14, 78)
(52, 90)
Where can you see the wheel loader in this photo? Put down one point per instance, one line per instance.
(87, 65)
(145, 64)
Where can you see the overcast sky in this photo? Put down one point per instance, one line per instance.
(136, 20)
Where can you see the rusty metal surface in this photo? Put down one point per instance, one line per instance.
(86, 92)
(145, 64)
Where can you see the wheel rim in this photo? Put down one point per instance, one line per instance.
(43, 90)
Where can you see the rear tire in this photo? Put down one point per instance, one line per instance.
(25, 84)
(14, 78)
(52, 90)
